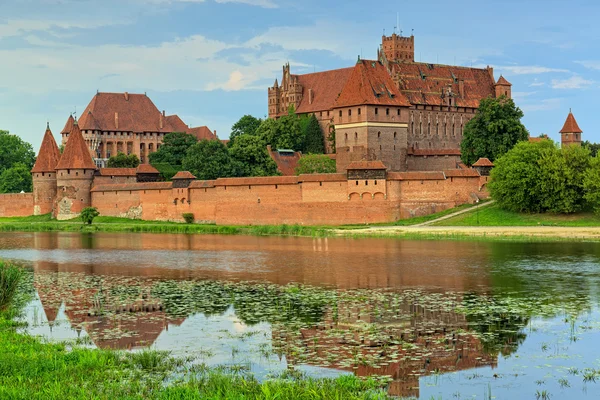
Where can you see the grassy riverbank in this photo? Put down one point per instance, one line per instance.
(31, 369)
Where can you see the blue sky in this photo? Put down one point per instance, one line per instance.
(210, 61)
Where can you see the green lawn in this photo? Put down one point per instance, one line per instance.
(493, 215)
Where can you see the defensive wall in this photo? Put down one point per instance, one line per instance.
(16, 205)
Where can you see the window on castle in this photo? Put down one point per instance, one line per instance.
(350, 113)
(359, 111)
(376, 110)
(366, 183)
(378, 135)
(355, 135)
(340, 113)
(387, 111)
(394, 135)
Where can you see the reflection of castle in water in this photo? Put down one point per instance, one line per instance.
(423, 340)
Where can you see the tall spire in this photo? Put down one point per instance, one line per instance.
(570, 125)
(76, 154)
(49, 154)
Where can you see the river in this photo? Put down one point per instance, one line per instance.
(441, 319)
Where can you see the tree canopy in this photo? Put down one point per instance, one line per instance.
(122, 160)
(15, 150)
(313, 137)
(494, 130)
(593, 147)
(247, 125)
(209, 159)
(315, 164)
(16, 179)
(173, 149)
(251, 157)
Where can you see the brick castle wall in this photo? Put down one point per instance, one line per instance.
(16, 205)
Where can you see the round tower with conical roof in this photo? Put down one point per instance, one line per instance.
(44, 175)
(74, 176)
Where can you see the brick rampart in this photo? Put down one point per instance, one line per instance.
(16, 205)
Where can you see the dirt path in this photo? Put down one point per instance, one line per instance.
(470, 209)
(489, 231)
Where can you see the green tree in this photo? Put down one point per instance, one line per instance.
(313, 137)
(209, 159)
(122, 160)
(591, 185)
(173, 149)
(593, 147)
(267, 131)
(88, 214)
(515, 178)
(247, 125)
(16, 179)
(14, 150)
(331, 137)
(494, 130)
(288, 134)
(251, 157)
(315, 164)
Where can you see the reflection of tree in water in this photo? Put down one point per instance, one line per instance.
(500, 331)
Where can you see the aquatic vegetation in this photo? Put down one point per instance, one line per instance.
(10, 277)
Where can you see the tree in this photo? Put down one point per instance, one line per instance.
(515, 177)
(593, 147)
(14, 150)
(16, 179)
(315, 164)
(209, 159)
(494, 130)
(313, 137)
(173, 149)
(251, 158)
(247, 125)
(88, 214)
(122, 160)
(267, 131)
(288, 134)
(591, 185)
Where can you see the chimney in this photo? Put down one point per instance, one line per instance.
(126, 96)
(461, 88)
(160, 121)
(117, 120)
(163, 113)
(310, 96)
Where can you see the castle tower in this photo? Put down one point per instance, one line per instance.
(274, 96)
(74, 176)
(503, 88)
(397, 48)
(570, 134)
(44, 175)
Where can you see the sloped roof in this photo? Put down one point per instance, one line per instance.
(259, 180)
(175, 123)
(503, 82)
(112, 187)
(461, 173)
(334, 177)
(377, 164)
(146, 169)
(68, 125)
(49, 154)
(202, 133)
(117, 171)
(286, 162)
(423, 83)
(76, 154)
(326, 87)
(416, 176)
(433, 152)
(370, 83)
(570, 125)
(538, 139)
(183, 175)
(483, 162)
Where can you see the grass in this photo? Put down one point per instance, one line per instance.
(493, 215)
(10, 276)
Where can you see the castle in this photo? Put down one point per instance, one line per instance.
(127, 123)
(410, 115)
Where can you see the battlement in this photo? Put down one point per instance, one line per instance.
(398, 48)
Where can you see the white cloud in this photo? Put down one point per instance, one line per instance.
(522, 95)
(590, 64)
(529, 69)
(537, 83)
(542, 105)
(574, 82)
(18, 27)
(258, 3)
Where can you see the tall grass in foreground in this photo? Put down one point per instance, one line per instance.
(10, 276)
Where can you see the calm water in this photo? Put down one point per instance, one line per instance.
(452, 320)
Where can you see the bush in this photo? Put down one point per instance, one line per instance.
(188, 217)
(10, 276)
(88, 214)
(315, 164)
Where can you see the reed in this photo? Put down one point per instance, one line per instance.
(10, 277)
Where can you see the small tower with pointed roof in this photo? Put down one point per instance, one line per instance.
(570, 134)
(44, 175)
(75, 174)
(503, 88)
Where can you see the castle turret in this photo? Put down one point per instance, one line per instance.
(398, 48)
(44, 175)
(67, 129)
(503, 88)
(570, 134)
(75, 174)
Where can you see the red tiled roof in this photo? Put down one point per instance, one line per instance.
(117, 171)
(49, 154)
(377, 164)
(571, 125)
(146, 169)
(286, 162)
(114, 187)
(175, 123)
(415, 176)
(76, 154)
(202, 184)
(461, 173)
(433, 152)
(69, 125)
(335, 177)
(422, 83)
(538, 139)
(202, 133)
(370, 83)
(484, 162)
(263, 180)
(183, 175)
(326, 86)
(502, 81)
